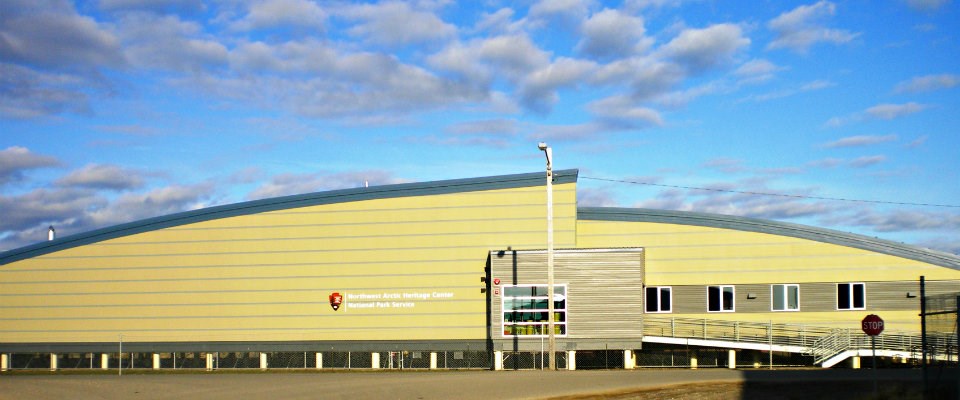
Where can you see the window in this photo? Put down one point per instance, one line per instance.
(720, 298)
(851, 296)
(526, 311)
(658, 299)
(785, 297)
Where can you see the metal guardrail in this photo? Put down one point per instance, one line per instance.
(797, 335)
(820, 342)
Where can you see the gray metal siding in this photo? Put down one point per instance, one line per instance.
(760, 302)
(604, 299)
(814, 297)
(821, 296)
(689, 299)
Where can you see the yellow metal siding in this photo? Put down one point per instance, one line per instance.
(691, 257)
(267, 276)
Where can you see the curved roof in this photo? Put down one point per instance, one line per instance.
(771, 227)
(289, 202)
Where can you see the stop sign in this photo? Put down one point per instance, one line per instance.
(872, 325)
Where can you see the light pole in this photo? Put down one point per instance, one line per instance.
(552, 339)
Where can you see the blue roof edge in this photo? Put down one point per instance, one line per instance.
(288, 202)
(771, 227)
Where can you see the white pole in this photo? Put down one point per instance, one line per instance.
(120, 357)
(552, 340)
(873, 346)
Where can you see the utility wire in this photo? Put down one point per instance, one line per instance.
(795, 196)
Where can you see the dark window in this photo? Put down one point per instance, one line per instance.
(851, 296)
(658, 299)
(720, 298)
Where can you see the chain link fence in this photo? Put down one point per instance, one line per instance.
(656, 355)
(464, 359)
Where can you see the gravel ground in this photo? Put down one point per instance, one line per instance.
(348, 385)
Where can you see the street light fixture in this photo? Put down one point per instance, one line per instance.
(552, 340)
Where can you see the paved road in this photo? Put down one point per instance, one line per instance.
(342, 385)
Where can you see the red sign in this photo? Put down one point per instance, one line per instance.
(496, 281)
(335, 300)
(872, 325)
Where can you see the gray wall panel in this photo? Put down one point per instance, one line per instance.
(604, 300)
(814, 297)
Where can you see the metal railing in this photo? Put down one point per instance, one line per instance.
(796, 335)
(820, 342)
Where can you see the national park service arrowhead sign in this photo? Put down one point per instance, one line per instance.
(335, 300)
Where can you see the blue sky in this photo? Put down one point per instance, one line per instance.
(117, 110)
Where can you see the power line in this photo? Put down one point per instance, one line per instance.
(795, 196)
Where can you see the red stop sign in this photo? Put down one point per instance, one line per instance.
(872, 325)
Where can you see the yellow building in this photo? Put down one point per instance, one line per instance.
(398, 269)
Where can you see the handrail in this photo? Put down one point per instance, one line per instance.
(820, 342)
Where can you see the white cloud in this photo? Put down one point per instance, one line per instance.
(644, 4)
(102, 176)
(52, 59)
(500, 127)
(792, 91)
(683, 97)
(928, 83)
(167, 42)
(725, 165)
(30, 93)
(880, 111)
(74, 209)
(312, 79)
(538, 90)
(802, 27)
(647, 77)
(395, 23)
(55, 37)
(892, 111)
(919, 141)
(43, 207)
(157, 202)
(742, 204)
(291, 184)
(905, 220)
(499, 22)
(756, 71)
(157, 6)
(568, 132)
(867, 161)
(595, 197)
(826, 163)
(480, 60)
(861, 140)
(15, 160)
(282, 14)
(566, 12)
(611, 34)
(702, 49)
(946, 243)
(621, 112)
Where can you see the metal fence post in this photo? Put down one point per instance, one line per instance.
(770, 341)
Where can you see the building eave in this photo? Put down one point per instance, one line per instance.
(289, 202)
(770, 227)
